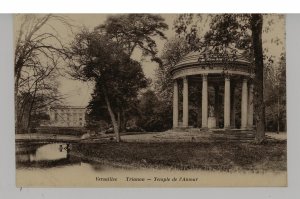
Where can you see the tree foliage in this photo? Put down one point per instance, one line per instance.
(118, 78)
(135, 31)
(155, 115)
(172, 53)
(275, 95)
(104, 55)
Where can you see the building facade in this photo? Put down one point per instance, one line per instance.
(67, 116)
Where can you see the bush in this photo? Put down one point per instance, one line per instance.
(155, 115)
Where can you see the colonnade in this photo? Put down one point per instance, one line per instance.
(246, 103)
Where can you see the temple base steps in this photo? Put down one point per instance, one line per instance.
(217, 134)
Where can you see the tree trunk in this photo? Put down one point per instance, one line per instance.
(256, 27)
(21, 112)
(30, 108)
(112, 116)
(123, 121)
(17, 108)
(278, 113)
(29, 116)
(119, 121)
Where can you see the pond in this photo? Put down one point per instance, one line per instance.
(54, 165)
(48, 156)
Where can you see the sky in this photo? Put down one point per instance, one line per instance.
(79, 93)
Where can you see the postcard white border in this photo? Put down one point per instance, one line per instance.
(7, 150)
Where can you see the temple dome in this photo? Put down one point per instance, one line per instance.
(209, 61)
(203, 57)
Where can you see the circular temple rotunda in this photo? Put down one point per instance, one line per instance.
(225, 89)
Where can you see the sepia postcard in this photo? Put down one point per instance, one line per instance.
(150, 100)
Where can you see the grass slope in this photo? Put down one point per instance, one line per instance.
(222, 156)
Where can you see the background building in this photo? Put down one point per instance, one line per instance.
(67, 116)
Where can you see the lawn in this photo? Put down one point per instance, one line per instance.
(222, 156)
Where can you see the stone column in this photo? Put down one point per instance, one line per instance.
(185, 93)
(250, 106)
(227, 103)
(244, 104)
(175, 104)
(217, 105)
(232, 103)
(204, 101)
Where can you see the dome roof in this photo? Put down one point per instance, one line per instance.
(212, 61)
(196, 57)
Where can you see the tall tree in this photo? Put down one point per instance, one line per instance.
(96, 57)
(256, 22)
(39, 51)
(135, 33)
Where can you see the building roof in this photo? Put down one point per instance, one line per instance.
(202, 57)
(210, 60)
(68, 107)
